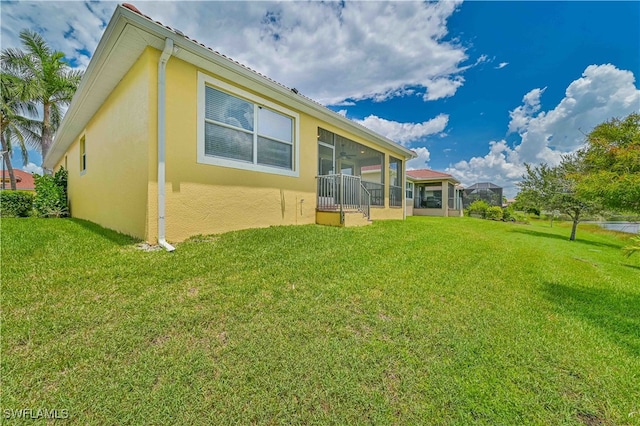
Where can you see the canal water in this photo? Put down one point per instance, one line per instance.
(629, 227)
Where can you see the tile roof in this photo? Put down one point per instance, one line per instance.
(427, 174)
(24, 180)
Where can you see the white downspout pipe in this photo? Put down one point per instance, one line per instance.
(162, 68)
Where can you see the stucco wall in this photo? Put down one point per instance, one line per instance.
(204, 199)
(113, 190)
(409, 206)
(428, 212)
(119, 188)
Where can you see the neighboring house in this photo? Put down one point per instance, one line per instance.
(485, 191)
(432, 193)
(24, 180)
(166, 139)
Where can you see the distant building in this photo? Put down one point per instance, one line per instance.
(433, 193)
(485, 191)
(24, 180)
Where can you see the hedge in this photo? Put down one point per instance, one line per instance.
(16, 203)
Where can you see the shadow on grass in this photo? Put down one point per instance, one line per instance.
(563, 238)
(113, 236)
(617, 313)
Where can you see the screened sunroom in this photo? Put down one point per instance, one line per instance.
(351, 175)
(433, 194)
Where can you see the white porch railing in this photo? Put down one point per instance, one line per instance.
(343, 193)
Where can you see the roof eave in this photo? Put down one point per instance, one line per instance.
(77, 115)
(449, 178)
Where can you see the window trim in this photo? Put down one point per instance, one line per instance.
(395, 176)
(205, 80)
(83, 155)
(406, 191)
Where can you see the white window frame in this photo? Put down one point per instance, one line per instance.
(407, 183)
(82, 145)
(205, 80)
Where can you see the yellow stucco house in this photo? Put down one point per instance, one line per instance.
(166, 138)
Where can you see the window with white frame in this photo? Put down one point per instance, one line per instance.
(83, 155)
(240, 130)
(395, 182)
(409, 190)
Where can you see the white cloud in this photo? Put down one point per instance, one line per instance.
(404, 133)
(521, 116)
(602, 92)
(501, 65)
(393, 93)
(344, 103)
(501, 166)
(421, 161)
(481, 59)
(330, 51)
(32, 168)
(442, 88)
(73, 28)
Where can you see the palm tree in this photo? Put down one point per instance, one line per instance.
(53, 80)
(14, 126)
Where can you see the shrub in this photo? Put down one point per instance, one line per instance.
(51, 194)
(507, 214)
(478, 209)
(519, 217)
(494, 213)
(16, 203)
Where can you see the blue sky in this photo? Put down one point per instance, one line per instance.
(475, 88)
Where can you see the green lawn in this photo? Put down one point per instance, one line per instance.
(427, 321)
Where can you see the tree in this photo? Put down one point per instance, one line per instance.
(15, 128)
(53, 80)
(554, 188)
(612, 164)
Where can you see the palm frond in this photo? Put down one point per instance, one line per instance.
(12, 134)
(35, 44)
(13, 60)
(37, 76)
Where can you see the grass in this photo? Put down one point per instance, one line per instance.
(428, 321)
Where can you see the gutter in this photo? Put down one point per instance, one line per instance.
(162, 71)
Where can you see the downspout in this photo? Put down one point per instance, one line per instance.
(162, 68)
